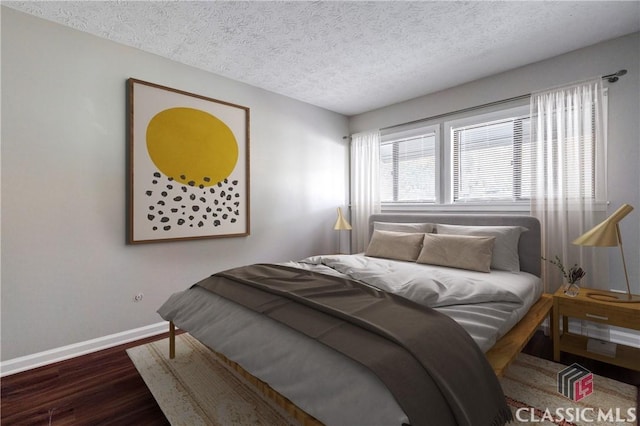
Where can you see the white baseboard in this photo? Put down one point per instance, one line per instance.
(604, 332)
(28, 362)
(40, 359)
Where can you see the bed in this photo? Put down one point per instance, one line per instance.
(499, 310)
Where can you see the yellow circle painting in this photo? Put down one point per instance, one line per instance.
(191, 146)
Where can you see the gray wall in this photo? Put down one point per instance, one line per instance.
(67, 274)
(623, 132)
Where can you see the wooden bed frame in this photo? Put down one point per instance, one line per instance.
(499, 356)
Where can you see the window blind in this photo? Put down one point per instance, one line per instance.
(408, 168)
(492, 161)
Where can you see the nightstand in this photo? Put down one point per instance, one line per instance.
(625, 315)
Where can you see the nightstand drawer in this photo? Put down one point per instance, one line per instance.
(607, 314)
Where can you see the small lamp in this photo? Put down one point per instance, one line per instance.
(341, 225)
(607, 234)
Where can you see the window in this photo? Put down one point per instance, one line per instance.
(408, 166)
(491, 160)
(484, 159)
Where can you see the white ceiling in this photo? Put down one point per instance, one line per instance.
(349, 57)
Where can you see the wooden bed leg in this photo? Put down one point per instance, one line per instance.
(172, 340)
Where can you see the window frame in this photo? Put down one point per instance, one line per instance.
(494, 116)
(444, 176)
(409, 132)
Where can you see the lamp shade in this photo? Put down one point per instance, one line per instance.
(605, 234)
(341, 223)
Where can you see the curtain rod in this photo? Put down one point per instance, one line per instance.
(433, 117)
(611, 78)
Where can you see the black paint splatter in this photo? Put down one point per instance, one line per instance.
(183, 201)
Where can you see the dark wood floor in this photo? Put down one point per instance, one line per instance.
(104, 388)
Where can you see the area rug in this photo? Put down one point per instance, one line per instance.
(531, 387)
(196, 388)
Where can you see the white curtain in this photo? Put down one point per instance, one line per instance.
(365, 187)
(569, 177)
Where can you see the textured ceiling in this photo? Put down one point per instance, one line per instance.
(349, 57)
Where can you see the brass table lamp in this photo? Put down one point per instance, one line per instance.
(341, 225)
(607, 234)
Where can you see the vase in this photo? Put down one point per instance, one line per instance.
(571, 289)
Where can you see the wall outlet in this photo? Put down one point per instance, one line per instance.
(138, 297)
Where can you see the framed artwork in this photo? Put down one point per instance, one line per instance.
(188, 165)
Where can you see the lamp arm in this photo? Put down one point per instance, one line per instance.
(624, 263)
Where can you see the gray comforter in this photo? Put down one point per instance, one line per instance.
(433, 368)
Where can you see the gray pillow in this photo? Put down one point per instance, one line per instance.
(395, 245)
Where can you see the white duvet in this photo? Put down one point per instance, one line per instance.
(327, 385)
(428, 285)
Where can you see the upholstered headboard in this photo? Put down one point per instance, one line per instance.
(529, 247)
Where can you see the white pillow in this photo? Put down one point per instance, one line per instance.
(457, 251)
(505, 250)
(419, 228)
(395, 245)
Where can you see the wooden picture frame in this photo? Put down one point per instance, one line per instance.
(188, 166)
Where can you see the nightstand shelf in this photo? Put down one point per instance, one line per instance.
(626, 356)
(625, 315)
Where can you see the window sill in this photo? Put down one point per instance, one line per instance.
(506, 207)
(488, 208)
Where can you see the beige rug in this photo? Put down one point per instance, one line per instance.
(530, 385)
(196, 388)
